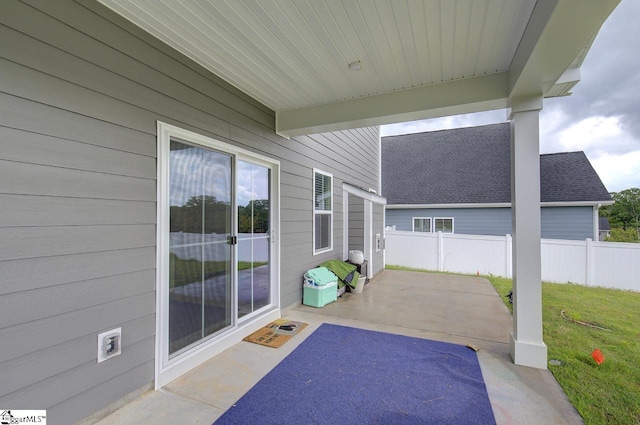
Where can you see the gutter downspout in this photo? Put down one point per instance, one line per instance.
(596, 222)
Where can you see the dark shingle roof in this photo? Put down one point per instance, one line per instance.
(473, 165)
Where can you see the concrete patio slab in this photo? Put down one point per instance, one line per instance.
(442, 307)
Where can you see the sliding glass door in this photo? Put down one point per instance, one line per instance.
(217, 247)
(254, 229)
(200, 252)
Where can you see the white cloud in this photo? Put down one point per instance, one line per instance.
(453, 121)
(253, 183)
(590, 133)
(618, 172)
(609, 148)
(197, 172)
(552, 121)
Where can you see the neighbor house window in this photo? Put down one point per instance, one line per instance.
(322, 211)
(444, 225)
(422, 224)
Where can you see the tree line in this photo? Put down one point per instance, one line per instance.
(206, 214)
(624, 215)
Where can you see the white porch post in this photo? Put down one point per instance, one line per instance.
(527, 347)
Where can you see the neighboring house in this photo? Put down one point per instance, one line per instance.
(459, 181)
(605, 228)
(169, 170)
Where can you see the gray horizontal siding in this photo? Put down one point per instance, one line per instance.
(356, 223)
(36, 179)
(40, 335)
(78, 380)
(55, 122)
(34, 148)
(67, 355)
(26, 306)
(573, 223)
(34, 273)
(26, 210)
(80, 94)
(93, 399)
(33, 242)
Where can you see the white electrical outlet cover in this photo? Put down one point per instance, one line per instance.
(102, 337)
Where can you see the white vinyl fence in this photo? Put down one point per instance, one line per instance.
(608, 264)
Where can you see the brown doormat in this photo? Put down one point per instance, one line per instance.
(276, 333)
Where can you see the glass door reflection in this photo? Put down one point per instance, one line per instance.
(254, 214)
(200, 268)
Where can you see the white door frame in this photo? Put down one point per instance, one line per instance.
(166, 370)
(369, 198)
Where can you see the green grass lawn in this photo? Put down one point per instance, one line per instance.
(184, 271)
(605, 394)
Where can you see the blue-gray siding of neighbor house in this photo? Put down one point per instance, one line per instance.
(574, 223)
(81, 90)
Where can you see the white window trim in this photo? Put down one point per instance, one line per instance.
(167, 370)
(453, 222)
(314, 212)
(413, 223)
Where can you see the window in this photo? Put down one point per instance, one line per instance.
(322, 211)
(434, 225)
(422, 224)
(444, 225)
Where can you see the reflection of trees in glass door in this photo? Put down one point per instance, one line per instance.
(217, 251)
(253, 182)
(200, 278)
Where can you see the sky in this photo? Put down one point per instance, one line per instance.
(193, 171)
(601, 117)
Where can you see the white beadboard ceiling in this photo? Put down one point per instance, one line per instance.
(293, 55)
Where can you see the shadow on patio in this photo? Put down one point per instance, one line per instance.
(441, 307)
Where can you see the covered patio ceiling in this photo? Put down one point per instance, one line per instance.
(418, 58)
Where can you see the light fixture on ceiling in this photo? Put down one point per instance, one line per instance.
(355, 66)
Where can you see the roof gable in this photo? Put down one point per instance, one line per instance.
(473, 165)
(569, 177)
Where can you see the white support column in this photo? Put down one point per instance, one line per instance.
(368, 235)
(527, 347)
(384, 235)
(345, 223)
(596, 222)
